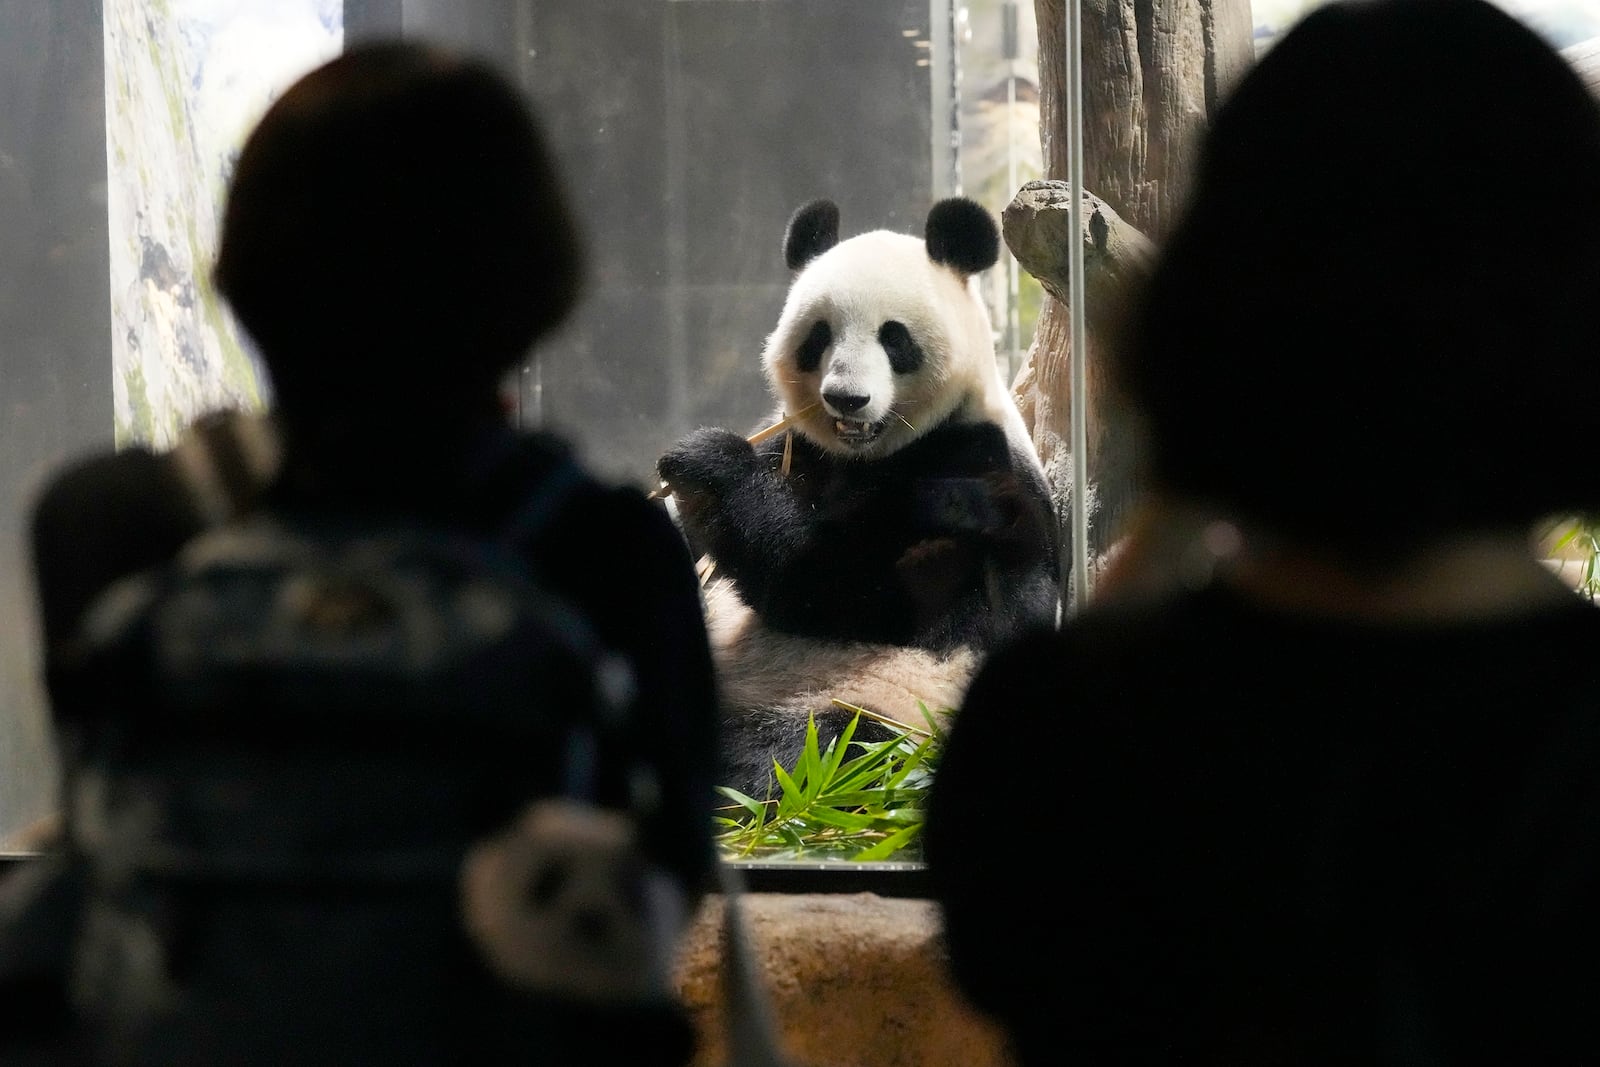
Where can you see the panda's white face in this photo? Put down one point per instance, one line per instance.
(889, 342)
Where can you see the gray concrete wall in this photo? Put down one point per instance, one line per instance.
(55, 366)
(689, 132)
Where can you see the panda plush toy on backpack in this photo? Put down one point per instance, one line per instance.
(902, 528)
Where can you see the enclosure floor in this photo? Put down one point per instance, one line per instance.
(855, 980)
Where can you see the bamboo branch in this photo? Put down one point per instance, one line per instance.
(882, 719)
(755, 439)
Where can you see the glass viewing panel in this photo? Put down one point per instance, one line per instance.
(688, 130)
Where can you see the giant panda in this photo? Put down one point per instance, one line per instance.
(902, 528)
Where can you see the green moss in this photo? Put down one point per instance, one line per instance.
(237, 369)
(236, 366)
(142, 426)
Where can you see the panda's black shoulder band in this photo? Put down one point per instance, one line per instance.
(812, 231)
(962, 235)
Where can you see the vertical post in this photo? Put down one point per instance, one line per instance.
(679, 399)
(530, 376)
(1011, 49)
(944, 70)
(1079, 592)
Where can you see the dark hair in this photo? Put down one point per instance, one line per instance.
(395, 220)
(1375, 323)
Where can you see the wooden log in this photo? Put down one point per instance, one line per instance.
(1037, 229)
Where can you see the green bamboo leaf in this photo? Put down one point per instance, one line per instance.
(759, 823)
(889, 845)
(749, 803)
(871, 799)
(875, 760)
(812, 779)
(837, 750)
(808, 768)
(851, 800)
(790, 837)
(792, 799)
(842, 820)
(914, 760)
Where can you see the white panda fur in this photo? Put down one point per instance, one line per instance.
(796, 676)
(887, 270)
(785, 658)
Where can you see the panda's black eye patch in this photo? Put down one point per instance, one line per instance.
(904, 355)
(809, 357)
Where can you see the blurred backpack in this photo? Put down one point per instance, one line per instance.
(285, 743)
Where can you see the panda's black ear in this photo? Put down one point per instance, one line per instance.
(962, 235)
(812, 231)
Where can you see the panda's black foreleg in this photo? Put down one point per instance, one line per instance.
(732, 505)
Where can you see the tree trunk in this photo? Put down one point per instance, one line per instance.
(1153, 71)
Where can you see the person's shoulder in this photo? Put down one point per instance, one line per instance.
(100, 518)
(101, 480)
(595, 516)
(550, 458)
(128, 496)
(136, 504)
(1110, 632)
(1094, 672)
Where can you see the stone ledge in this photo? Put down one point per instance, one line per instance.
(855, 980)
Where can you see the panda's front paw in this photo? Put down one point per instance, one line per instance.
(707, 460)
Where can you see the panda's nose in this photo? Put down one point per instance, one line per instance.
(845, 403)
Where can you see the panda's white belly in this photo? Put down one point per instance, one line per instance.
(760, 667)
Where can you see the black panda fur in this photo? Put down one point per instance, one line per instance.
(913, 531)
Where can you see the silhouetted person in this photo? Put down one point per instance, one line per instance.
(395, 240)
(1332, 796)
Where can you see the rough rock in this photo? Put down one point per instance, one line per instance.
(854, 980)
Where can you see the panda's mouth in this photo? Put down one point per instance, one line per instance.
(856, 433)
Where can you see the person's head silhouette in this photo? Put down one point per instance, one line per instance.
(396, 238)
(1370, 330)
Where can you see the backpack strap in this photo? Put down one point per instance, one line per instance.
(226, 460)
(607, 727)
(539, 508)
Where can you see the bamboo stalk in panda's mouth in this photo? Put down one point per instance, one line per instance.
(784, 423)
(756, 438)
